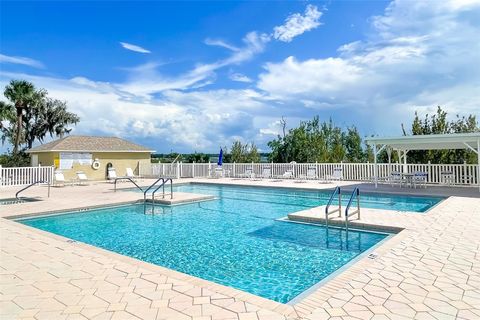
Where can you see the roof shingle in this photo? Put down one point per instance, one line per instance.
(90, 144)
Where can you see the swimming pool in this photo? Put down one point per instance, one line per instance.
(234, 240)
(312, 198)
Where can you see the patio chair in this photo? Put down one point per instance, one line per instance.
(310, 175)
(248, 174)
(266, 174)
(218, 173)
(59, 179)
(82, 178)
(111, 174)
(130, 174)
(447, 178)
(420, 179)
(287, 175)
(336, 176)
(395, 178)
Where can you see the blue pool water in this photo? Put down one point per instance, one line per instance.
(312, 198)
(233, 240)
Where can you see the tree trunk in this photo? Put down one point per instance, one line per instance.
(19, 129)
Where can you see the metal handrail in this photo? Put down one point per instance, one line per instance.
(339, 209)
(150, 187)
(163, 185)
(355, 194)
(31, 185)
(125, 178)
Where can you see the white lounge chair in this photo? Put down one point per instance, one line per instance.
(248, 174)
(59, 179)
(287, 175)
(111, 174)
(82, 178)
(130, 174)
(336, 176)
(218, 172)
(266, 174)
(311, 174)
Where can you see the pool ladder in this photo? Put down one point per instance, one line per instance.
(354, 196)
(161, 185)
(338, 192)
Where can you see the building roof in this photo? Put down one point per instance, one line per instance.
(89, 144)
(429, 142)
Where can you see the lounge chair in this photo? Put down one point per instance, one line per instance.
(111, 174)
(266, 174)
(82, 178)
(59, 179)
(248, 174)
(336, 176)
(287, 175)
(218, 172)
(311, 175)
(130, 174)
(420, 179)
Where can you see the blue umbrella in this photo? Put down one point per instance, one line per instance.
(220, 157)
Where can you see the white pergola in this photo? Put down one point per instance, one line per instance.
(404, 144)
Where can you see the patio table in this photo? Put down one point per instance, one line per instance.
(408, 177)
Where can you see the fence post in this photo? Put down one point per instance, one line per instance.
(233, 170)
(429, 172)
(193, 169)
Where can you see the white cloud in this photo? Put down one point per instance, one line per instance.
(133, 47)
(145, 80)
(240, 78)
(184, 121)
(297, 24)
(220, 43)
(21, 60)
(418, 54)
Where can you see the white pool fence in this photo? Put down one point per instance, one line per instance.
(462, 174)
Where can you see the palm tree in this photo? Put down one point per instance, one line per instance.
(21, 93)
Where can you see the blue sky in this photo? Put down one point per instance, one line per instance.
(188, 76)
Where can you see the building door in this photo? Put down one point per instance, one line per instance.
(34, 160)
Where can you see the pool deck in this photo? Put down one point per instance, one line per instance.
(430, 270)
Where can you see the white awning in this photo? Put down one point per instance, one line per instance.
(403, 144)
(429, 142)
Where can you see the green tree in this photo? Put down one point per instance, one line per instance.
(31, 115)
(241, 153)
(197, 158)
(438, 123)
(353, 146)
(22, 94)
(315, 141)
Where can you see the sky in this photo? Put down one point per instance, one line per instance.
(194, 76)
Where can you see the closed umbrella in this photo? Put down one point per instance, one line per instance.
(220, 157)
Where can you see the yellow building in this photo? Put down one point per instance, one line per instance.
(92, 155)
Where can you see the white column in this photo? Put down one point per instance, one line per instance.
(375, 169)
(405, 168)
(193, 169)
(478, 163)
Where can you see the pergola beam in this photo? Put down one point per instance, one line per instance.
(426, 142)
